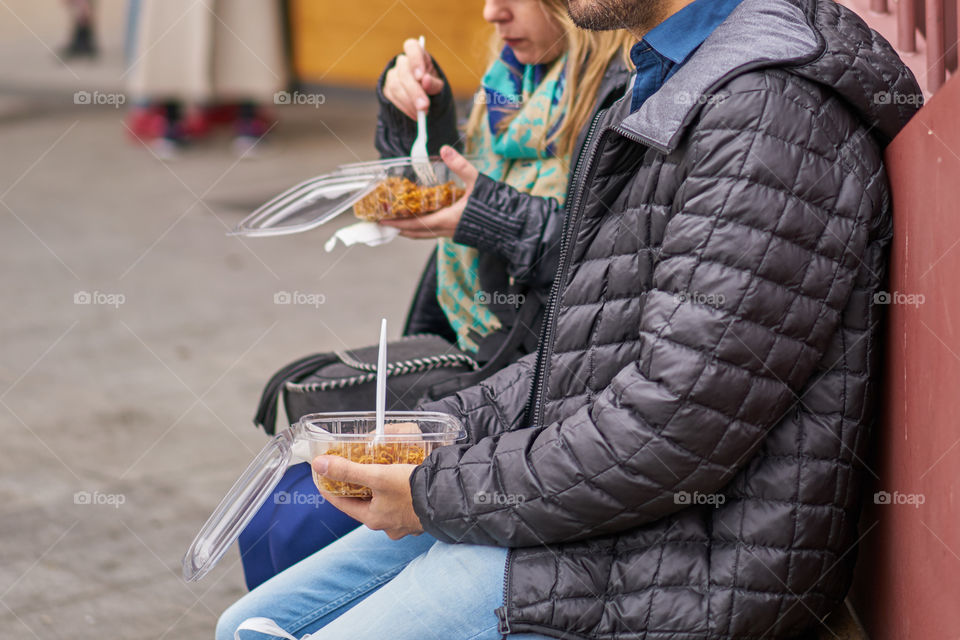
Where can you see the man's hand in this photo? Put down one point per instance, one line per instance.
(442, 223)
(412, 80)
(391, 508)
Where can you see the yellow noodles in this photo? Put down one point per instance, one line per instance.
(402, 198)
(369, 453)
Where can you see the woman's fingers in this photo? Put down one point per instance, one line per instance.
(459, 165)
(403, 90)
(408, 224)
(419, 235)
(411, 229)
(420, 62)
(412, 80)
(396, 93)
(417, 231)
(416, 97)
(421, 68)
(433, 225)
(415, 54)
(439, 224)
(411, 85)
(432, 84)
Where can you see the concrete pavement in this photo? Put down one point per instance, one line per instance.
(142, 402)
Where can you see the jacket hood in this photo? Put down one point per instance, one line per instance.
(818, 40)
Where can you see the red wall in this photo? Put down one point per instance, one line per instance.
(908, 574)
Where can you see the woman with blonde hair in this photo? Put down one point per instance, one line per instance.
(497, 245)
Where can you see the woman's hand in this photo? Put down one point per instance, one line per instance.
(391, 508)
(441, 223)
(412, 80)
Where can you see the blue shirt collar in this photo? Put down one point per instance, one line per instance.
(679, 35)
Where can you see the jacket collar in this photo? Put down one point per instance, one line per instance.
(757, 33)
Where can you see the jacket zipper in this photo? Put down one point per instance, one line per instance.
(536, 389)
(570, 225)
(636, 137)
(503, 625)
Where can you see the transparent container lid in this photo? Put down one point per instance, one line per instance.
(308, 437)
(321, 199)
(309, 204)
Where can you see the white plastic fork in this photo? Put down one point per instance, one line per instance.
(381, 383)
(419, 158)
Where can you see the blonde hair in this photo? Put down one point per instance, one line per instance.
(589, 53)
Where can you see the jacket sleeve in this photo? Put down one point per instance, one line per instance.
(495, 405)
(396, 132)
(521, 229)
(758, 260)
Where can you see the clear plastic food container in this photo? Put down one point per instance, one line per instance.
(374, 191)
(410, 436)
(355, 439)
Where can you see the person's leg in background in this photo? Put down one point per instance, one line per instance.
(82, 42)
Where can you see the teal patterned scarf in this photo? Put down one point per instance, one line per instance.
(523, 107)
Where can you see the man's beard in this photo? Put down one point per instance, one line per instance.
(604, 15)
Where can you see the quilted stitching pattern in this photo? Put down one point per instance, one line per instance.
(716, 334)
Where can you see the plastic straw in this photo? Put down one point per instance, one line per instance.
(382, 378)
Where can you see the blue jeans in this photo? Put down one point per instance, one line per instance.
(366, 586)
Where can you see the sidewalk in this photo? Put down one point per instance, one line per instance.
(141, 405)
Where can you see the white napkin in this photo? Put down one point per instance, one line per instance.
(264, 625)
(368, 233)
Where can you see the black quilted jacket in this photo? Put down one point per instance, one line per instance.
(682, 457)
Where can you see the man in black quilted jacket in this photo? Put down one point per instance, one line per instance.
(683, 456)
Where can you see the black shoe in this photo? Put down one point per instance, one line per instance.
(83, 44)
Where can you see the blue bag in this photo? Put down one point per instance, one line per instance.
(292, 524)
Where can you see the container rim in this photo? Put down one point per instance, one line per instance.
(309, 427)
(389, 163)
